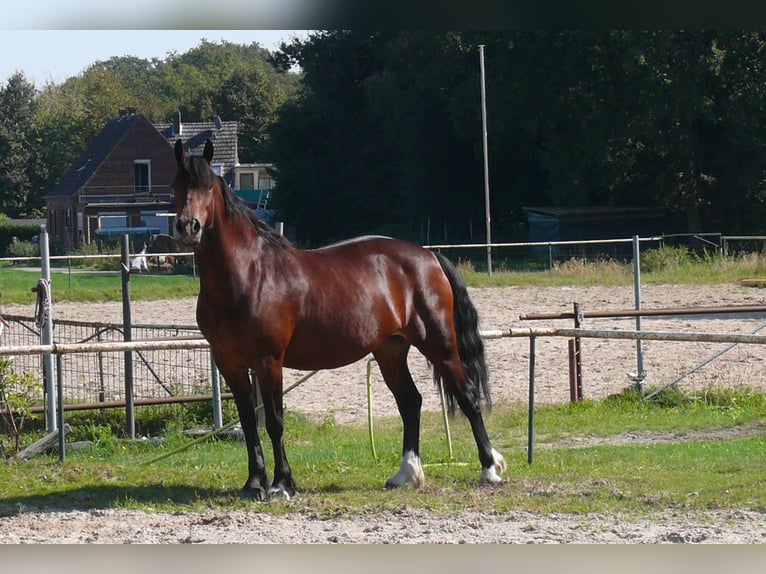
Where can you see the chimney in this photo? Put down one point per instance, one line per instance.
(177, 127)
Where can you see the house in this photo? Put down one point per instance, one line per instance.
(254, 184)
(121, 183)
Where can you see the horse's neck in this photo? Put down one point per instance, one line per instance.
(231, 252)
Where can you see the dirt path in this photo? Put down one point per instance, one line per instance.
(394, 527)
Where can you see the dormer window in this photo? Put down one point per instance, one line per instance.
(247, 180)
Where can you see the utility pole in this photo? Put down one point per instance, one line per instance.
(486, 160)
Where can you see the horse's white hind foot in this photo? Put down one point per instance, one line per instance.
(410, 473)
(492, 474)
(278, 492)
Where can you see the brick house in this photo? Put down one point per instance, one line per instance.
(121, 183)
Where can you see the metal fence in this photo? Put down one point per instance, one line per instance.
(97, 379)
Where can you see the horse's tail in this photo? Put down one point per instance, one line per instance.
(469, 342)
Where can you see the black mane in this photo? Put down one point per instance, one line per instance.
(200, 175)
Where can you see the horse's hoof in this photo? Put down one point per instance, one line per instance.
(254, 493)
(276, 492)
(492, 474)
(410, 473)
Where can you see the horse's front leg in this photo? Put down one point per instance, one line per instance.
(244, 397)
(270, 382)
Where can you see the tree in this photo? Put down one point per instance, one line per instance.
(253, 97)
(17, 145)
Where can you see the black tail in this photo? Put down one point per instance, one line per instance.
(469, 343)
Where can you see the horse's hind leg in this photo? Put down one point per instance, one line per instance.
(392, 360)
(492, 462)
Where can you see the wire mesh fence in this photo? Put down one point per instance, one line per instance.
(90, 379)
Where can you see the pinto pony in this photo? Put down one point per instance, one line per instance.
(264, 305)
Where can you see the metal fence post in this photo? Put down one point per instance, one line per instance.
(46, 328)
(215, 380)
(531, 406)
(60, 387)
(640, 374)
(130, 415)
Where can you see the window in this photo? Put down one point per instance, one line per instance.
(265, 181)
(247, 180)
(217, 169)
(142, 181)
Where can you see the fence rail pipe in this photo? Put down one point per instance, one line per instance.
(667, 312)
(105, 346)
(643, 335)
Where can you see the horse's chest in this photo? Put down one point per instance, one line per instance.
(237, 330)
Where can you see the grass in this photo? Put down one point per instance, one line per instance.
(15, 286)
(337, 475)
(668, 265)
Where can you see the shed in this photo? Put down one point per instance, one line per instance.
(551, 224)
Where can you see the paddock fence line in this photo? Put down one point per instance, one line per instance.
(578, 315)
(62, 349)
(95, 378)
(533, 333)
(87, 385)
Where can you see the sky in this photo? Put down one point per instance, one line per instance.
(54, 54)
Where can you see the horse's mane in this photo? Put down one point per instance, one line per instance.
(201, 175)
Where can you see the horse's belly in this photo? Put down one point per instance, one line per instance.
(323, 355)
(312, 349)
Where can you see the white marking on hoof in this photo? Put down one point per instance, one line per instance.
(410, 473)
(492, 474)
(275, 492)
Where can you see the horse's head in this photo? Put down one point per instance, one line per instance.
(193, 191)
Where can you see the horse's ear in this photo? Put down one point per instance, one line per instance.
(208, 152)
(180, 151)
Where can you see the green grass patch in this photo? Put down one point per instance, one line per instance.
(16, 285)
(667, 265)
(336, 473)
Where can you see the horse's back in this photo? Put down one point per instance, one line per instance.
(360, 292)
(376, 246)
(365, 259)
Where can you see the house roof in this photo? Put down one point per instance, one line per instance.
(593, 213)
(95, 154)
(194, 134)
(222, 134)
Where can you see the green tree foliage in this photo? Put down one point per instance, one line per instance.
(253, 96)
(43, 132)
(17, 110)
(387, 134)
(380, 132)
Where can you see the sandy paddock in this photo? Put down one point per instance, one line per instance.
(342, 394)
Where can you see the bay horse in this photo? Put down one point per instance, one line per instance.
(264, 305)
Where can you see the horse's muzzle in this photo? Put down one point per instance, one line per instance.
(187, 230)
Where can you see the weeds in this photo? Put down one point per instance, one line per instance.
(17, 393)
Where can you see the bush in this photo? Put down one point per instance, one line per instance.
(666, 258)
(23, 249)
(17, 393)
(22, 233)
